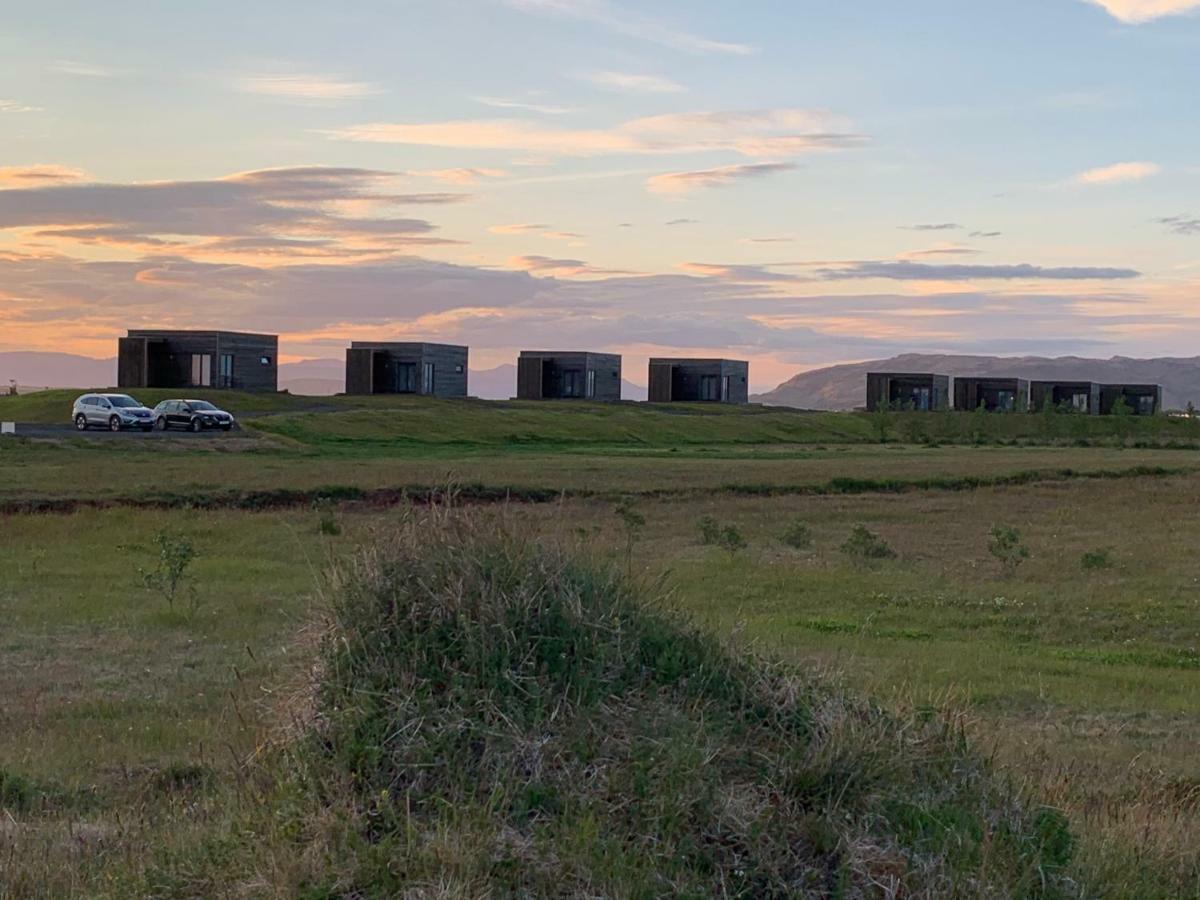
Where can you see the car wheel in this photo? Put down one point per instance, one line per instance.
(114, 424)
(197, 425)
(81, 422)
(161, 423)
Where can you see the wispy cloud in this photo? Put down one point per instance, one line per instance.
(306, 87)
(549, 232)
(1181, 224)
(754, 133)
(39, 176)
(1135, 12)
(986, 234)
(12, 106)
(631, 24)
(545, 109)
(634, 84)
(563, 268)
(465, 176)
(1118, 173)
(85, 69)
(745, 274)
(936, 226)
(683, 182)
(299, 211)
(673, 222)
(518, 228)
(911, 271)
(942, 249)
(766, 240)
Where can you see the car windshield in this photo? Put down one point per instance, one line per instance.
(202, 405)
(122, 402)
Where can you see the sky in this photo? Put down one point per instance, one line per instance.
(796, 183)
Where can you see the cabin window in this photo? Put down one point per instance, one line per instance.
(406, 378)
(709, 385)
(225, 370)
(572, 383)
(591, 383)
(201, 370)
(427, 378)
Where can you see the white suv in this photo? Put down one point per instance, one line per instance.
(111, 411)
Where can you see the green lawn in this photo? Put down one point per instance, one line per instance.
(80, 468)
(1086, 681)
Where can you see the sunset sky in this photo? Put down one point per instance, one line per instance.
(797, 183)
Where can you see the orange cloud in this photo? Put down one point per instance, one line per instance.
(755, 133)
(39, 176)
(683, 182)
(1134, 12)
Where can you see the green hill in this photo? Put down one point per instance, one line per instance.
(492, 717)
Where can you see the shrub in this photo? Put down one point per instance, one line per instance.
(710, 531)
(1005, 544)
(170, 572)
(1096, 559)
(327, 522)
(22, 794)
(863, 544)
(731, 540)
(914, 429)
(797, 535)
(633, 522)
(881, 423)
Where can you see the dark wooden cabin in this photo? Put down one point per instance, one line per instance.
(992, 394)
(153, 358)
(923, 392)
(699, 380)
(1077, 396)
(407, 367)
(568, 375)
(1141, 399)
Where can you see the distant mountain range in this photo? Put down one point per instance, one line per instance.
(310, 377)
(844, 387)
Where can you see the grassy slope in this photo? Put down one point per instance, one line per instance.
(54, 406)
(494, 717)
(367, 424)
(1077, 673)
(100, 469)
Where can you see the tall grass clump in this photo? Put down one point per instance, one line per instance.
(493, 715)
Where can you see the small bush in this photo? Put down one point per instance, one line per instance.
(1099, 558)
(731, 540)
(1005, 544)
(710, 531)
(864, 544)
(633, 522)
(327, 522)
(170, 572)
(21, 794)
(881, 423)
(797, 535)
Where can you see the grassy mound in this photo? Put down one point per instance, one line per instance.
(495, 717)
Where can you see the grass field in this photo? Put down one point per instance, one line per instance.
(125, 722)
